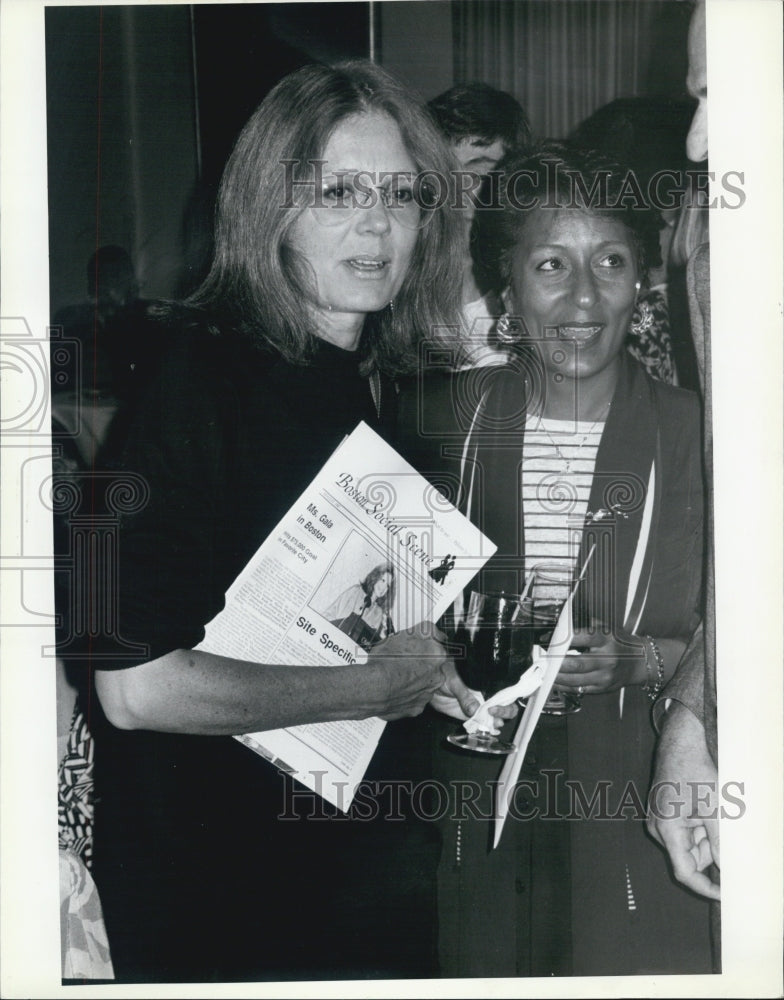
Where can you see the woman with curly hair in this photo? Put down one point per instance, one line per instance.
(572, 448)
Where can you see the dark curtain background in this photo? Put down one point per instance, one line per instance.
(563, 59)
(143, 106)
(144, 102)
(240, 53)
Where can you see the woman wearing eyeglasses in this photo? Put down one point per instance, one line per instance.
(210, 864)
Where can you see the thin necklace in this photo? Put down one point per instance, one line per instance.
(568, 461)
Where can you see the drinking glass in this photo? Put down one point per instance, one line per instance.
(494, 650)
(545, 594)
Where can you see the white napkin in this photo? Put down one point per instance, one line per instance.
(559, 648)
(483, 721)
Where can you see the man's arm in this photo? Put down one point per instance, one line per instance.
(687, 685)
(683, 805)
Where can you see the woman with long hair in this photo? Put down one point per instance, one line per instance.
(328, 266)
(363, 611)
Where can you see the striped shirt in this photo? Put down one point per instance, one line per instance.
(558, 466)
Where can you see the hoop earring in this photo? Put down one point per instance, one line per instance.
(507, 330)
(642, 318)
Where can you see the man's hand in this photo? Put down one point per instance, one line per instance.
(683, 804)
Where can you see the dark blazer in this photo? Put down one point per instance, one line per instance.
(542, 892)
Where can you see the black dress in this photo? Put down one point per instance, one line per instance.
(211, 865)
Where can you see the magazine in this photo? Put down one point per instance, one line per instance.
(370, 548)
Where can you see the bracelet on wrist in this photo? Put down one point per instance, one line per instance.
(653, 685)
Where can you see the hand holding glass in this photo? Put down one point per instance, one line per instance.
(494, 650)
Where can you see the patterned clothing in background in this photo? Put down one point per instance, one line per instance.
(83, 942)
(75, 791)
(652, 346)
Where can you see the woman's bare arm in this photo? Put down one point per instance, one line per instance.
(189, 691)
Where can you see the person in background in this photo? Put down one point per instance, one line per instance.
(647, 134)
(84, 948)
(115, 342)
(112, 288)
(482, 125)
(686, 827)
(317, 294)
(690, 233)
(87, 390)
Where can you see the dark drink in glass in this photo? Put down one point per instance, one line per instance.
(545, 594)
(492, 650)
(494, 658)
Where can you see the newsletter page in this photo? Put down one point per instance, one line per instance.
(369, 549)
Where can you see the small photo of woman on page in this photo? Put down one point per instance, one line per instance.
(363, 610)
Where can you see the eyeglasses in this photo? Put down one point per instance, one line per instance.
(407, 202)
